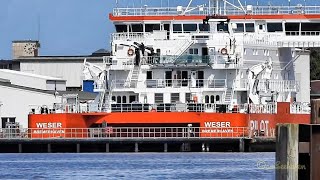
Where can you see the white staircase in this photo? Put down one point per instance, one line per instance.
(186, 44)
(228, 96)
(132, 78)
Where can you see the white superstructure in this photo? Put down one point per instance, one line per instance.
(206, 54)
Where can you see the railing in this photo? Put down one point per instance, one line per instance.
(300, 108)
(126, 133)
(278, 85)
(188, 83)
(159, 107)
(134, 36)
(255, 10)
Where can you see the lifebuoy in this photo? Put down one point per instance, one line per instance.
(224, 51)
(195, 99)
(130, 52)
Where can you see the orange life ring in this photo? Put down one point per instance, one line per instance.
(224, 51)
(130, 52)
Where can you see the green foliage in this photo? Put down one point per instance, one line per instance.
(315, 64)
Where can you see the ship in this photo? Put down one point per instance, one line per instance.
(218, 69)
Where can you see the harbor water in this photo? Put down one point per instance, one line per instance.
(138, 166)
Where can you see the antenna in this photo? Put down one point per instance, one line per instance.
(39, 28)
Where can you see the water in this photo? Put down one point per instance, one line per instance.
(136, 166)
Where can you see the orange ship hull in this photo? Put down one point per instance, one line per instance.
(239, 124)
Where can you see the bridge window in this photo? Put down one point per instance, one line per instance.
(175, 97)
(249, 27)
(204, 27)
(190, 28)
(310, 26)
(152, 27)
(240, 28)
(212, 99)
(222, 27)
(158, 98)
(137, 27)
(274, 27)
(292, 26)
(121, 28)
(206, 99)
(177, 28)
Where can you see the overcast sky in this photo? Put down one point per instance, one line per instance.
(71, 27)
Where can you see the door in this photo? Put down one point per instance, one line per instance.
(185, 78)
(132, 98)
(168, 77)
(6, 120)
(205, 53)
(167, 28)
(200, 78)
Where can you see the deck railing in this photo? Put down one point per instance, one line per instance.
(131, 133)
(159, 107)
(188, 83)
(255, 10)
(300, 108)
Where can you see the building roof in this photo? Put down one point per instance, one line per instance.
(30, 75)
(8, 84)
(58, 58)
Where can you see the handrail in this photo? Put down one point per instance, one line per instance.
(178, 83)
(254, 10)
(127, 133)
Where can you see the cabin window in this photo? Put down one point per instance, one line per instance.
(158, 98)
(249, 27)
(121, 28)
(245, 51)
(274, 27)
(124, 99)
(206, 99)
(118, 99)
(137, 27)
(152, 27)
(189, 28)
(194, 51)
(222, 27)
(255, 52)
(113, 98)
(204, 27)
(212, 99)
(175, 97)
(240, 28)
(266, 52)
(217, 98)
(177, 28)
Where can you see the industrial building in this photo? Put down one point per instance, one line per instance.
(68, 68)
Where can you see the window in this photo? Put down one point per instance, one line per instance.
(255, 52)
(193, 51)
(118, 99)
(177, 28)
(260, 27)
(222, 27)
(310, 26)
(274, 27)
(277, 53)
(266, 52)
(189, 27)
(158, 98)
(137, 27)
(204, 27)
(113, 98)
(293, 53)
(292, 26)
(152, 27)
(175, 97)
(124, 99)
(212, 99)
(121, 28)
(206, 99)
(217, 98)
(240, 28)
(245, 51)
(249, 27)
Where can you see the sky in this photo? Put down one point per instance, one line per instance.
(74, 27)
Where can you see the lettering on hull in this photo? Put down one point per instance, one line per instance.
(259, 127)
